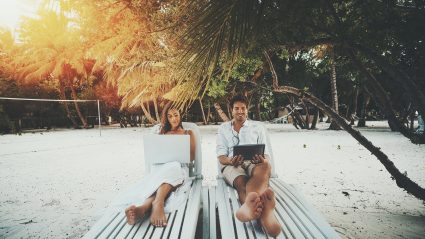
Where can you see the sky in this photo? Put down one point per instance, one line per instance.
(12, 10)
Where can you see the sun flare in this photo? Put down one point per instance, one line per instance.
(11, 11)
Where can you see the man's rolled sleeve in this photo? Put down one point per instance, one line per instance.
(263, 139)
(221, 144)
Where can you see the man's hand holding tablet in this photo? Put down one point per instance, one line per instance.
(251, 152)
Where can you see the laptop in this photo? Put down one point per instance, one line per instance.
(166, 148)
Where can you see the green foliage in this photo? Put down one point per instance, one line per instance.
(217, 88)
(244, 67)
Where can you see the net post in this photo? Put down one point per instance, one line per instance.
(98, 115)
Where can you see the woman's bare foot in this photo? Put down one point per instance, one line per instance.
(251, 209)
(133, 213)
(268, 219)
(158, 218)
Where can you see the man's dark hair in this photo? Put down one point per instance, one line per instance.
(238, 98)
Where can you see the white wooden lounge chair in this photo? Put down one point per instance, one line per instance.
(181, 222)
(296, 216)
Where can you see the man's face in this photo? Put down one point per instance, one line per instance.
(239, 111)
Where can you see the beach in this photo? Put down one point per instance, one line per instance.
(56, 184)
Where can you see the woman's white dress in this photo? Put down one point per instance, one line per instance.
(173, 173)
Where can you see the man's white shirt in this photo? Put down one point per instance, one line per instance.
(252, 132)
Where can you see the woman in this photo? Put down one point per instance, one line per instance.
(170, 124)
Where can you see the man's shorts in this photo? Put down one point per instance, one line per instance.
(230, 173)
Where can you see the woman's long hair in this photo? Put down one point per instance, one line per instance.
(165, 124)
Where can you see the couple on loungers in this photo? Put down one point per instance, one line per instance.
(249, 178)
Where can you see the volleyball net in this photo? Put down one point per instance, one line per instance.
(60, 101)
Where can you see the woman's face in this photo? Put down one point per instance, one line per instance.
(173, 117)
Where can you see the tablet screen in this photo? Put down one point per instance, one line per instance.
(249, 150)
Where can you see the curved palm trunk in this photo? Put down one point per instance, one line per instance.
(401, 179)
(65, 104)
(147, 114)
(221, 113)
(77, 107)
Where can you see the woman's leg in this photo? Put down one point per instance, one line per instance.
(158, 215)
(133, 213)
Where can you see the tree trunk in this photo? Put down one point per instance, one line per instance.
(401, 179)
(203, 113)
(77, 107)
(208, 113)
(258, 111)
(315, 118)
(354, 109)
(221, 113)
(298, 120)
(362, 116)
(147, 114)
(334, 91)
(155, 105)
(65, 105)
(382, 97)
(307, 116)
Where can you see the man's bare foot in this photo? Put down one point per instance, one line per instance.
(268, 219)
(133, 213)
(251, 209)
(158, 218)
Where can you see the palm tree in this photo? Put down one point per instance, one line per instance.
(53, 51)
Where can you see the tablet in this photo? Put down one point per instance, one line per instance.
(249, 150)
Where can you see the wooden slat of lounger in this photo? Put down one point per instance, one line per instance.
(298, 213)
(107, 232)
(251, 229)
(286, 233)
(212, 220)
(316, 224)
(234, 205)
(302, 223)
(209, 212)
(225, 213)
(160, 231)
(315, 217)
(206, 212)
(170, 223)
(176, 229)
(100, 225)
(143, 228)
(192, 211)
(128, 230)
(289, 227)
(120, 226)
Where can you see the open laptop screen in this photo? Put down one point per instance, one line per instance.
(166, 148)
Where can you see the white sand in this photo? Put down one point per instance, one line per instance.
(57, 184)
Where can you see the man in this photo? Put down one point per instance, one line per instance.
(249, 177)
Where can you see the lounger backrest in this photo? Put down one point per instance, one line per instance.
(196, 171)
(273, 173)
